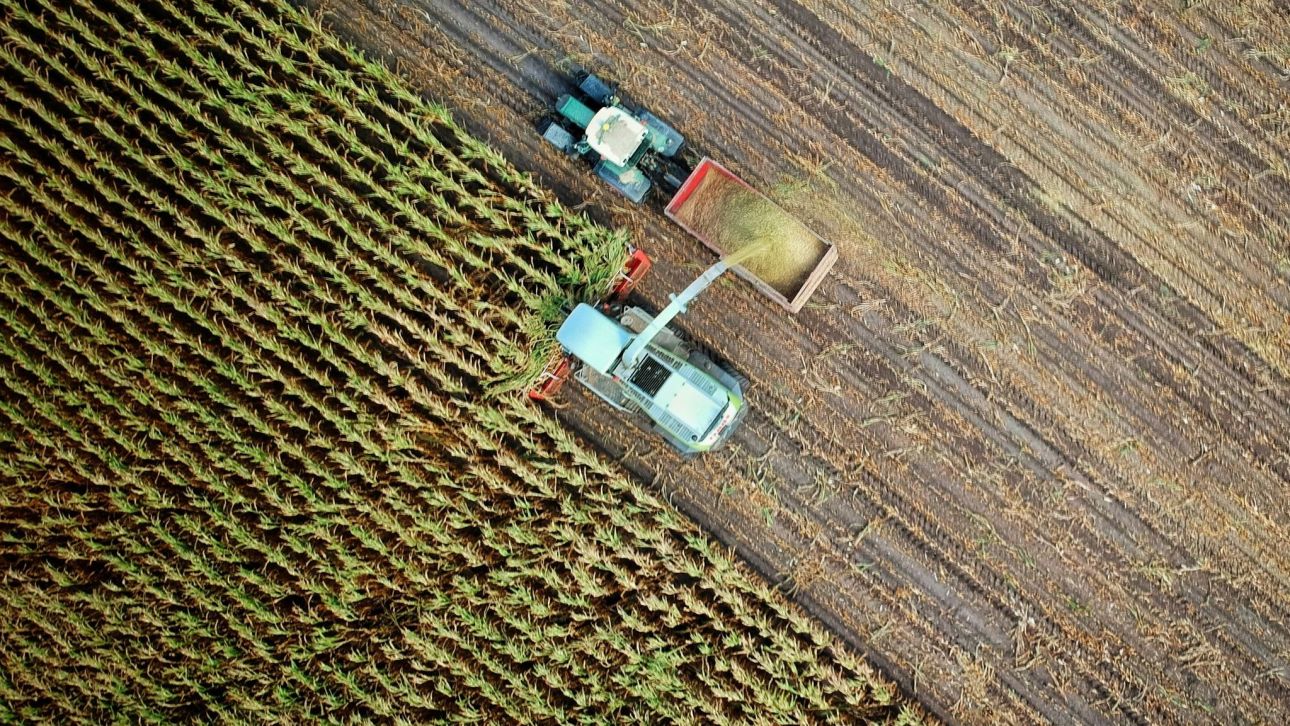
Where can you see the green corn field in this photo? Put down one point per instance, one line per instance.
(265, 319)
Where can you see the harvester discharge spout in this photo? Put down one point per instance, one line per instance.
(674, 308)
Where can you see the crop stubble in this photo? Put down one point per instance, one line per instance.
(1029, 444)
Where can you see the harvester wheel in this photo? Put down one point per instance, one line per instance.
(716, 366)
(741, 380)
(703, 357)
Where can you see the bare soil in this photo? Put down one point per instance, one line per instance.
(1028, 446)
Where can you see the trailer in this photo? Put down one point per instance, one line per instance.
(728, 215)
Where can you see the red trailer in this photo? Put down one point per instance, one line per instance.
(726, 214)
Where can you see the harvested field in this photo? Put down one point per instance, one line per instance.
(262, 308)
(1028, 447)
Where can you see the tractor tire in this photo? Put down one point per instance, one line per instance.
(548, 122)
(688, 156)
(669, 173)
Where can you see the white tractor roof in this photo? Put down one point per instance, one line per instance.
(593, 337)
(615, 134)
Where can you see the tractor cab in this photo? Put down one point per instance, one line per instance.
(615, 135)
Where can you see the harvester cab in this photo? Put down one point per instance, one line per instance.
(632, 150)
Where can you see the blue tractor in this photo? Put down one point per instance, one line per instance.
(631, 149)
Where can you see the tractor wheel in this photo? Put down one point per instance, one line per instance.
(554, 133)
(688, 156)
(671, 173)
(572, 71)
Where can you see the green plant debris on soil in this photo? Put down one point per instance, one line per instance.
(753, 232)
